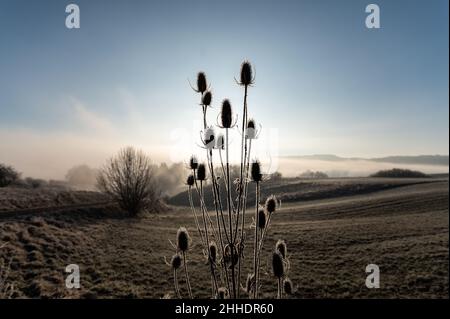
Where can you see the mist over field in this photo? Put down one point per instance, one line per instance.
(293, 166)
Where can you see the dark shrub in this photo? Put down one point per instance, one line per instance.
(8, 175)
(398, 172)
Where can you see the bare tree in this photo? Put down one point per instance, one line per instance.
(129, 179)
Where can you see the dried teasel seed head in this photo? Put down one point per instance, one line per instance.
(246, 73)
(182, 239)
(271, 204)
(190, 180)
(222, 293)
(288, 286)
(201, 82)
(201, 172)
(228, 258)
(277, 264)
(209, 138)
(281, 247)
(175, 262)
(193, 162)
(262, 219)
(256, 171)
(213, 251)
(250, 133)
(250, 283)
(226, 114)
(207, 98)
(220, 143)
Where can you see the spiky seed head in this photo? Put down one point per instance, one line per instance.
(232, 260)
(288, 286)
(182, 239)
(190, 180)
(226, 114)
(207, 98)
(220, 143)
(201, 172)
(246, 73)
(277, 264)
(213, 251)
(222, 293)
(201, 82)
(256, 171)
(209, 138)
(193, 162)
(251, 129)
(250, 283)
(175, 262)
(281, 247)
(262, 219)
(271, 204)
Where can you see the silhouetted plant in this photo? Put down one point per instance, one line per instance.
(223, 242)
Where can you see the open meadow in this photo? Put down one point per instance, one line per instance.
(332, 234)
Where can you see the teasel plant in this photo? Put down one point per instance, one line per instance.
(223, 240)
(280, 269)
(183, 240)
(175, 264)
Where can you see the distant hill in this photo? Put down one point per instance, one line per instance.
(420, 159)
(439, 160)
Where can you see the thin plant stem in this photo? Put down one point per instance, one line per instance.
(279, 295)
(175, 281)
(187, 275)
(219, 209)
(243, 213)
(255, 253)
(229, 214)
(204, 208)
(191, 202)
(243, 152)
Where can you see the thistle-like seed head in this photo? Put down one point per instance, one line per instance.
(182, 239)
(193, 162)
(262, 219)
(175, 262)
(201, 82)
(288, 286)
(256, 171)
(213, 251)
(250, 133)
(277, 264)
(190, 180)
(271, 204)
(246, 73)
(228, 258)
(207, 98)
(201, 172)
(226, 114)
(281, 247)
(209, 138)
(222, 293)
(220, 143)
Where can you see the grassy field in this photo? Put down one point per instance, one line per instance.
(331, 237)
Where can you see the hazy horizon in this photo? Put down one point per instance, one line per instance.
(324, 83)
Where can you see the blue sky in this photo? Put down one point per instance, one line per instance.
(324, 83)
